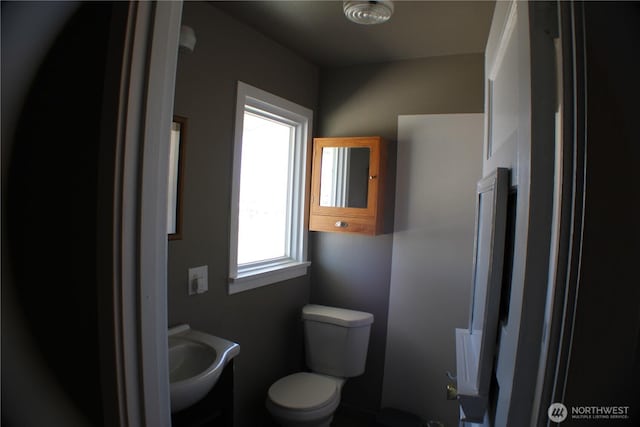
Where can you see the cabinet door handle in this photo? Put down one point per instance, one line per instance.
(341, 224)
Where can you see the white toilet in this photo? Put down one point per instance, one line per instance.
(336, 342)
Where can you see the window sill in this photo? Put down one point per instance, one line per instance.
(267, 276)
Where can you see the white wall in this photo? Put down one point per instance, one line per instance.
(439, 163)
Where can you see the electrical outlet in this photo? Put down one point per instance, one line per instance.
(198, 280)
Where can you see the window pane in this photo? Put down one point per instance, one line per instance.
(264, 189)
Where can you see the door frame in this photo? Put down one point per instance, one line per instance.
(133, 198)
(562, 297)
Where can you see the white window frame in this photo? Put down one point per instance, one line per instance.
(253, 275)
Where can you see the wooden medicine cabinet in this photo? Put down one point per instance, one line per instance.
(347, 182)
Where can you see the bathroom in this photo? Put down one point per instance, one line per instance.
(81, 347)
(347, 270)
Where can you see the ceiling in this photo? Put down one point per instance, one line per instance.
(319, 31)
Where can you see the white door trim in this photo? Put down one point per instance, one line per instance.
(140, 234)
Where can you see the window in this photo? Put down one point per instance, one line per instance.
(268, 240)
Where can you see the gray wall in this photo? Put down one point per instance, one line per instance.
(367, 99)
(354, 271)
(264, 321)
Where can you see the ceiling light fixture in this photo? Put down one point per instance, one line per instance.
(368, 12)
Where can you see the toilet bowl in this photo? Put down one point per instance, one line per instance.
(304, 399)
(336, 342)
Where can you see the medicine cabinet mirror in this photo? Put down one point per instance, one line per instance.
(348, 177)
(175, 177)
(344, 177)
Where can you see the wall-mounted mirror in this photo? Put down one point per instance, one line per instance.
(344, 177)
(176, 171)
(347, 182)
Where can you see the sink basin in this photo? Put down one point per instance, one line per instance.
(196, 361)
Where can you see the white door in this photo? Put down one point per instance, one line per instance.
(519, 134)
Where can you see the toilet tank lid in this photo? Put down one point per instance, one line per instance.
(336, 316)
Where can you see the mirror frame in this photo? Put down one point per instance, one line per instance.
(179, 179)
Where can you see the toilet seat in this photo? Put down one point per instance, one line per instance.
(305, 391)
(304, 399)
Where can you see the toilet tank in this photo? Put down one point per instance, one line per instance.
(336, 340)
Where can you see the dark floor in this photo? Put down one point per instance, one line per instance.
(344, 419)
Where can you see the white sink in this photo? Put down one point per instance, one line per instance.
(196, 361)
